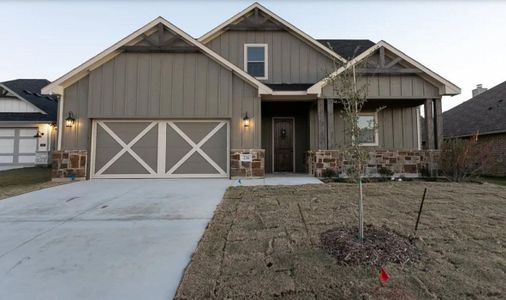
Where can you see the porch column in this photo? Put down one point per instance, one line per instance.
(438, 123)
(330, 124)
(429, 124)
(322, 125)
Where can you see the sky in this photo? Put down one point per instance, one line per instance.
(463, 41)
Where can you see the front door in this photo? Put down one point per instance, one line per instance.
(283, 138)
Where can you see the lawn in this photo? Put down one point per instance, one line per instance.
(495, 180)
(264, 242)
(20, 181)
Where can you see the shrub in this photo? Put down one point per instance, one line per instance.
(385, 172)
(463, 158)
(424, 171)
(329, 173)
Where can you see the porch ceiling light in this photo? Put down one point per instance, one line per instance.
(70, 120)
(245, 120)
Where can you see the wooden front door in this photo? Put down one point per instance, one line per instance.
(283, 136)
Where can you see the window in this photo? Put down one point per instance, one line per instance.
(255, 60)
(368, 135)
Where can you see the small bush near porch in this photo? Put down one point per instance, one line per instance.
(265, 242)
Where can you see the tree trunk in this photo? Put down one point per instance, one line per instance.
(360, 211)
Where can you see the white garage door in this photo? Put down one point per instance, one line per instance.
(160, 149)
(17, 146)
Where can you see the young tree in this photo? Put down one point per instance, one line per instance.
(351, 92)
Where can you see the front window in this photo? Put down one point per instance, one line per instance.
(255, 60)
(368, 134)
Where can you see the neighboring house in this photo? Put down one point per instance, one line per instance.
(484, 115)
(26, 135)
(247, 98)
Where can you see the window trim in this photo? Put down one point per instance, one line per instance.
(376, 131)
(266, 59)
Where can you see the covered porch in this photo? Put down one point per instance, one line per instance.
(308, 135)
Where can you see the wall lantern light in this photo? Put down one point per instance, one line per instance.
(70, 120)
(38, 134)
(245, 120)
(53, 125)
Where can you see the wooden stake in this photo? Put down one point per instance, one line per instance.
(420, 210)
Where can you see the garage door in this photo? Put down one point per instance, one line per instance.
(17, 146)
(159, 149)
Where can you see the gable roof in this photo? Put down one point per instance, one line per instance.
(79, 72)
(347, 49)
(446, 87)
(483, 114)
(222, 27)
(29, 90)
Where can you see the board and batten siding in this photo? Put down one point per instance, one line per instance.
(75, 100)
(150, 85)
(17, 106)
(393, 87)
(162, 86)
(397, 128)
(290, 60)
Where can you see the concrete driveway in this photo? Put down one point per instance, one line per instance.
(103, 239)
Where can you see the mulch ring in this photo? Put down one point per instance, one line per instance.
(380, 246)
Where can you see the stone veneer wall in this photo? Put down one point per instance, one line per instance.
(255, 168)
(68, 164)
(409, 163)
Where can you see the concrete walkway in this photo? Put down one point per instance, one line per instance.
(279, 179)
(107, 239)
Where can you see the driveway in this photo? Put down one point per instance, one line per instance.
(107, 239)
(103, 239)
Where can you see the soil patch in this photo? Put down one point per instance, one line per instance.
(266, 242)
(379, 247)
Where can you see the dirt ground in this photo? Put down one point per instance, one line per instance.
(19, 181)
(264, 242)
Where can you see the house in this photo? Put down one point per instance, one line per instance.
(247, 98)
(483, 115)
(26, 123)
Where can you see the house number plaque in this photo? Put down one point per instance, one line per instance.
(246, 157)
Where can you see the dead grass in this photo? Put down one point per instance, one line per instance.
(19, 181)
(495, 180)
(264, 242)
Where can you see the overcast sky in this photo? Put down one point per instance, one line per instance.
(464, 41)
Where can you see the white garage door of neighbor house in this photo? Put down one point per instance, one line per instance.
(17, 146)
(160, 148)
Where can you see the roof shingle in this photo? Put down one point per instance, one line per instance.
(485, 113)
(30, 90)
(347, 48)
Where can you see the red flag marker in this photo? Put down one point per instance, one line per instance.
(384, 277)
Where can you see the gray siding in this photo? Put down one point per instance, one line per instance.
(397, 128)
(245, 100)
(158, 86)
(393, 87)
(75, 100)
(290, 60)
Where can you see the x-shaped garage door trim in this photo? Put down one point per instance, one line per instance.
(126, 147)
(196, 148)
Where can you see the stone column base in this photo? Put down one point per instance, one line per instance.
(69, 165)
(244, 168)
